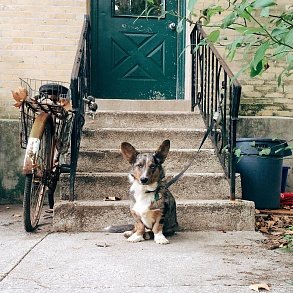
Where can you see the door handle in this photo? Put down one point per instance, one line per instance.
(172, 26)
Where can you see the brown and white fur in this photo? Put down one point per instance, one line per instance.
(152, 206)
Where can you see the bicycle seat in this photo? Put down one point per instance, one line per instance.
(53, 89)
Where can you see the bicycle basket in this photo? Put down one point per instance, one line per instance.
(46, 90)
(43, 96)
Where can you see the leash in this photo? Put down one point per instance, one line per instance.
(179, 175)
(217, 118)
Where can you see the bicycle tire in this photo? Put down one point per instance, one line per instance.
(36, 184)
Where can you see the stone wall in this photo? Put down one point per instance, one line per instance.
(11, 159)
(38, 39)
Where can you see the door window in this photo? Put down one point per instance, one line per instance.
(139, 8)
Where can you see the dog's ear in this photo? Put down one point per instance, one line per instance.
(162, 152)
(129, 153)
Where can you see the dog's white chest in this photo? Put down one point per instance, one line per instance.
(142, 203)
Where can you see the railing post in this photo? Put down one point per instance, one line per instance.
(80, 84)
(236, 94)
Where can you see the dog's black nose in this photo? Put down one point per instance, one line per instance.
(144, 180)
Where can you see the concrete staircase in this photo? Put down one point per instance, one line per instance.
(202, 195)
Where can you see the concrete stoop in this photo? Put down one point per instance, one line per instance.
(202, 194)
(193, 215)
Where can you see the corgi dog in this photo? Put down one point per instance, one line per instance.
(153, 207)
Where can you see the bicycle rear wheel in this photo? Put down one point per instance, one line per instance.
(36, 184)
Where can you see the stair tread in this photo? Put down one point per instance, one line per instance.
(124, 202)
(149, 150)
(170, 113)
(143, 129)
(123, 174)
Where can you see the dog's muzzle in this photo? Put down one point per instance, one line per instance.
(144, 180)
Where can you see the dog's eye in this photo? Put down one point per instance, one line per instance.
(153, 167)
(139, 166)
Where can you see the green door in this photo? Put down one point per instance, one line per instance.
(134, 49)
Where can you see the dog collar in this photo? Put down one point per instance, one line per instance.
(156, 191)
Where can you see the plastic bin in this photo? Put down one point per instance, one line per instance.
(261, 174)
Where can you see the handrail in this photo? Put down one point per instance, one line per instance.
(216, 92)
(80, 89)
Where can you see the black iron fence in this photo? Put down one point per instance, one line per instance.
(80, 87)
(217, 93)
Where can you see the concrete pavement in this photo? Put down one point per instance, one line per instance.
(100, 262)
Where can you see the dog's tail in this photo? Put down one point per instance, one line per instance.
(119, 228)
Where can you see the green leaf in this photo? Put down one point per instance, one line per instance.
(191, 4)
(279, 79)
(265, 152)
(279, 31)
(264, 3)
(229, 19)
(248, 30)
(237, 153)
(260, 54)
(289, 38)
(213, 36)
(259, 68)
(265, 12)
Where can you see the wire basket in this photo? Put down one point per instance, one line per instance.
(44, 96)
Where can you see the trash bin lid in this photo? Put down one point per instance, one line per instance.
(263, 146)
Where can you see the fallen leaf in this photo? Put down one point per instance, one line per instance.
(16, 216)
(256, 287)
(112, 198)
(102, 245)
(270, 224)
(264, 230)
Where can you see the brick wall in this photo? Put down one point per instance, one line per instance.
(260, 96)
(38, 39)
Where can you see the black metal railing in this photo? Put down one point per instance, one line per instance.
(217, 93)
(80, 87)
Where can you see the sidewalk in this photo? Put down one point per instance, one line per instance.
(102, 262)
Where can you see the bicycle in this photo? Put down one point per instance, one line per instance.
(48, 128)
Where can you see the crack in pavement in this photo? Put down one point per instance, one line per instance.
(5, 275)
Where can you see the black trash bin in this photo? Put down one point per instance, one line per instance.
(260, 168)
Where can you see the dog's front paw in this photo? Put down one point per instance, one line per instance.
(161, 239)
(127, 234)
(135, 238)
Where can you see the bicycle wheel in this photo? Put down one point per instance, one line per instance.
(36, 183)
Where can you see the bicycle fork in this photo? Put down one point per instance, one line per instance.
(30, 165)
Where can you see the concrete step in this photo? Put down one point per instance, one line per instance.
(111, 138)
(114, 119)
(193, 215)
(112, 161)
(96, 186)
(144, 105)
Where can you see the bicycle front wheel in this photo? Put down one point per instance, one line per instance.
(36, 183)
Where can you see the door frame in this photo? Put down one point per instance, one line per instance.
(93, 6)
